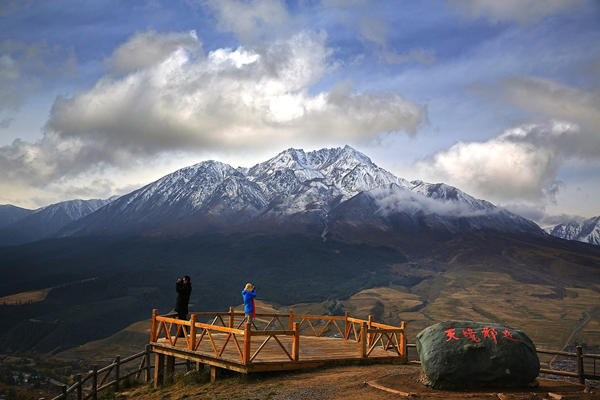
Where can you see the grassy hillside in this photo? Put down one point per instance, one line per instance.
(132, 276)
(550, 288)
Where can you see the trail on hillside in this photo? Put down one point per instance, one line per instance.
(586, 318)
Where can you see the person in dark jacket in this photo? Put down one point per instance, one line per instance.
(249, 308)
(184, 289)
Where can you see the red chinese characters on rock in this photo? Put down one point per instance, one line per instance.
(451, 335)
(470, 333)
(507, 335)
(487, 332)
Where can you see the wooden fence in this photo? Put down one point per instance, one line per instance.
(369, 335)
(88, 386)
(97, 380)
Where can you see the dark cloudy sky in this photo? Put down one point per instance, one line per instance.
(499, 98)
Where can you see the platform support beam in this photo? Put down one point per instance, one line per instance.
(159, 366)
(169, 368)
(214, 373)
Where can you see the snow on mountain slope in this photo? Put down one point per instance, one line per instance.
(587, 231)
(46, 221)
(294, 187)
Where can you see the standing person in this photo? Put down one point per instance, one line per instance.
(184, 289)
(249, 307)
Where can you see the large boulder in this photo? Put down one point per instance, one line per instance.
(465, 354)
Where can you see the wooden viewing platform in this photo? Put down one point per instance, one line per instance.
(283, 342)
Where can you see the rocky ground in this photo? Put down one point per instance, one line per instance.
(348, 382)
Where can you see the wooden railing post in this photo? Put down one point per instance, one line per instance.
(363, 339)
(403, 349)
(117, 372)
(291, 321)
(370, 325)
(79, 388)
(296, 342)
(580, 374)
(95, 383)
(247, 342)
(153, 327)
(147, 377)
(192, 341)
(346, 326)
(231, 315)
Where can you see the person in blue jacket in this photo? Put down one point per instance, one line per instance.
(249, 308)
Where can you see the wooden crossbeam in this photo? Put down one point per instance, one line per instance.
(237, 346)
(325, 327)
(390, 340)
(374, 344)
(167, 332)
(283, 348)
(260, 347)
(280, 323)
(212, 342)
(312, 327)
(106, 376)
(356, 336)
(269, 324)
(198, 341)
(338, 328)
(224, 344)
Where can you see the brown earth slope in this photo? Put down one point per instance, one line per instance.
(343, 383)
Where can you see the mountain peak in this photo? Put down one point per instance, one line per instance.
(587, 231)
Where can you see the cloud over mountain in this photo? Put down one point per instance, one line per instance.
(170, 96)
(522, 163)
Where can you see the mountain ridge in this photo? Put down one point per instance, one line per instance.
(46, 221)
(294, 191)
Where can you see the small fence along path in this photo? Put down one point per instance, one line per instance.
(274, 341)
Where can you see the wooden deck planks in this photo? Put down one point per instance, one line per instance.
(311, 348)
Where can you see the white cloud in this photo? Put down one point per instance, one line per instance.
(251, 20)
(230, 99)
(146, 49)
(393, 200)
(522, 11)
(522, 164)
(498, 169)
(227, 101)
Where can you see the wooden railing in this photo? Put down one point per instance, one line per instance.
(369, 335)
(579, 364)
(110, 376)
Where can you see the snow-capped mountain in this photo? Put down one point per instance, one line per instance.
(587, 231)
(46, 221)
(297, 191)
